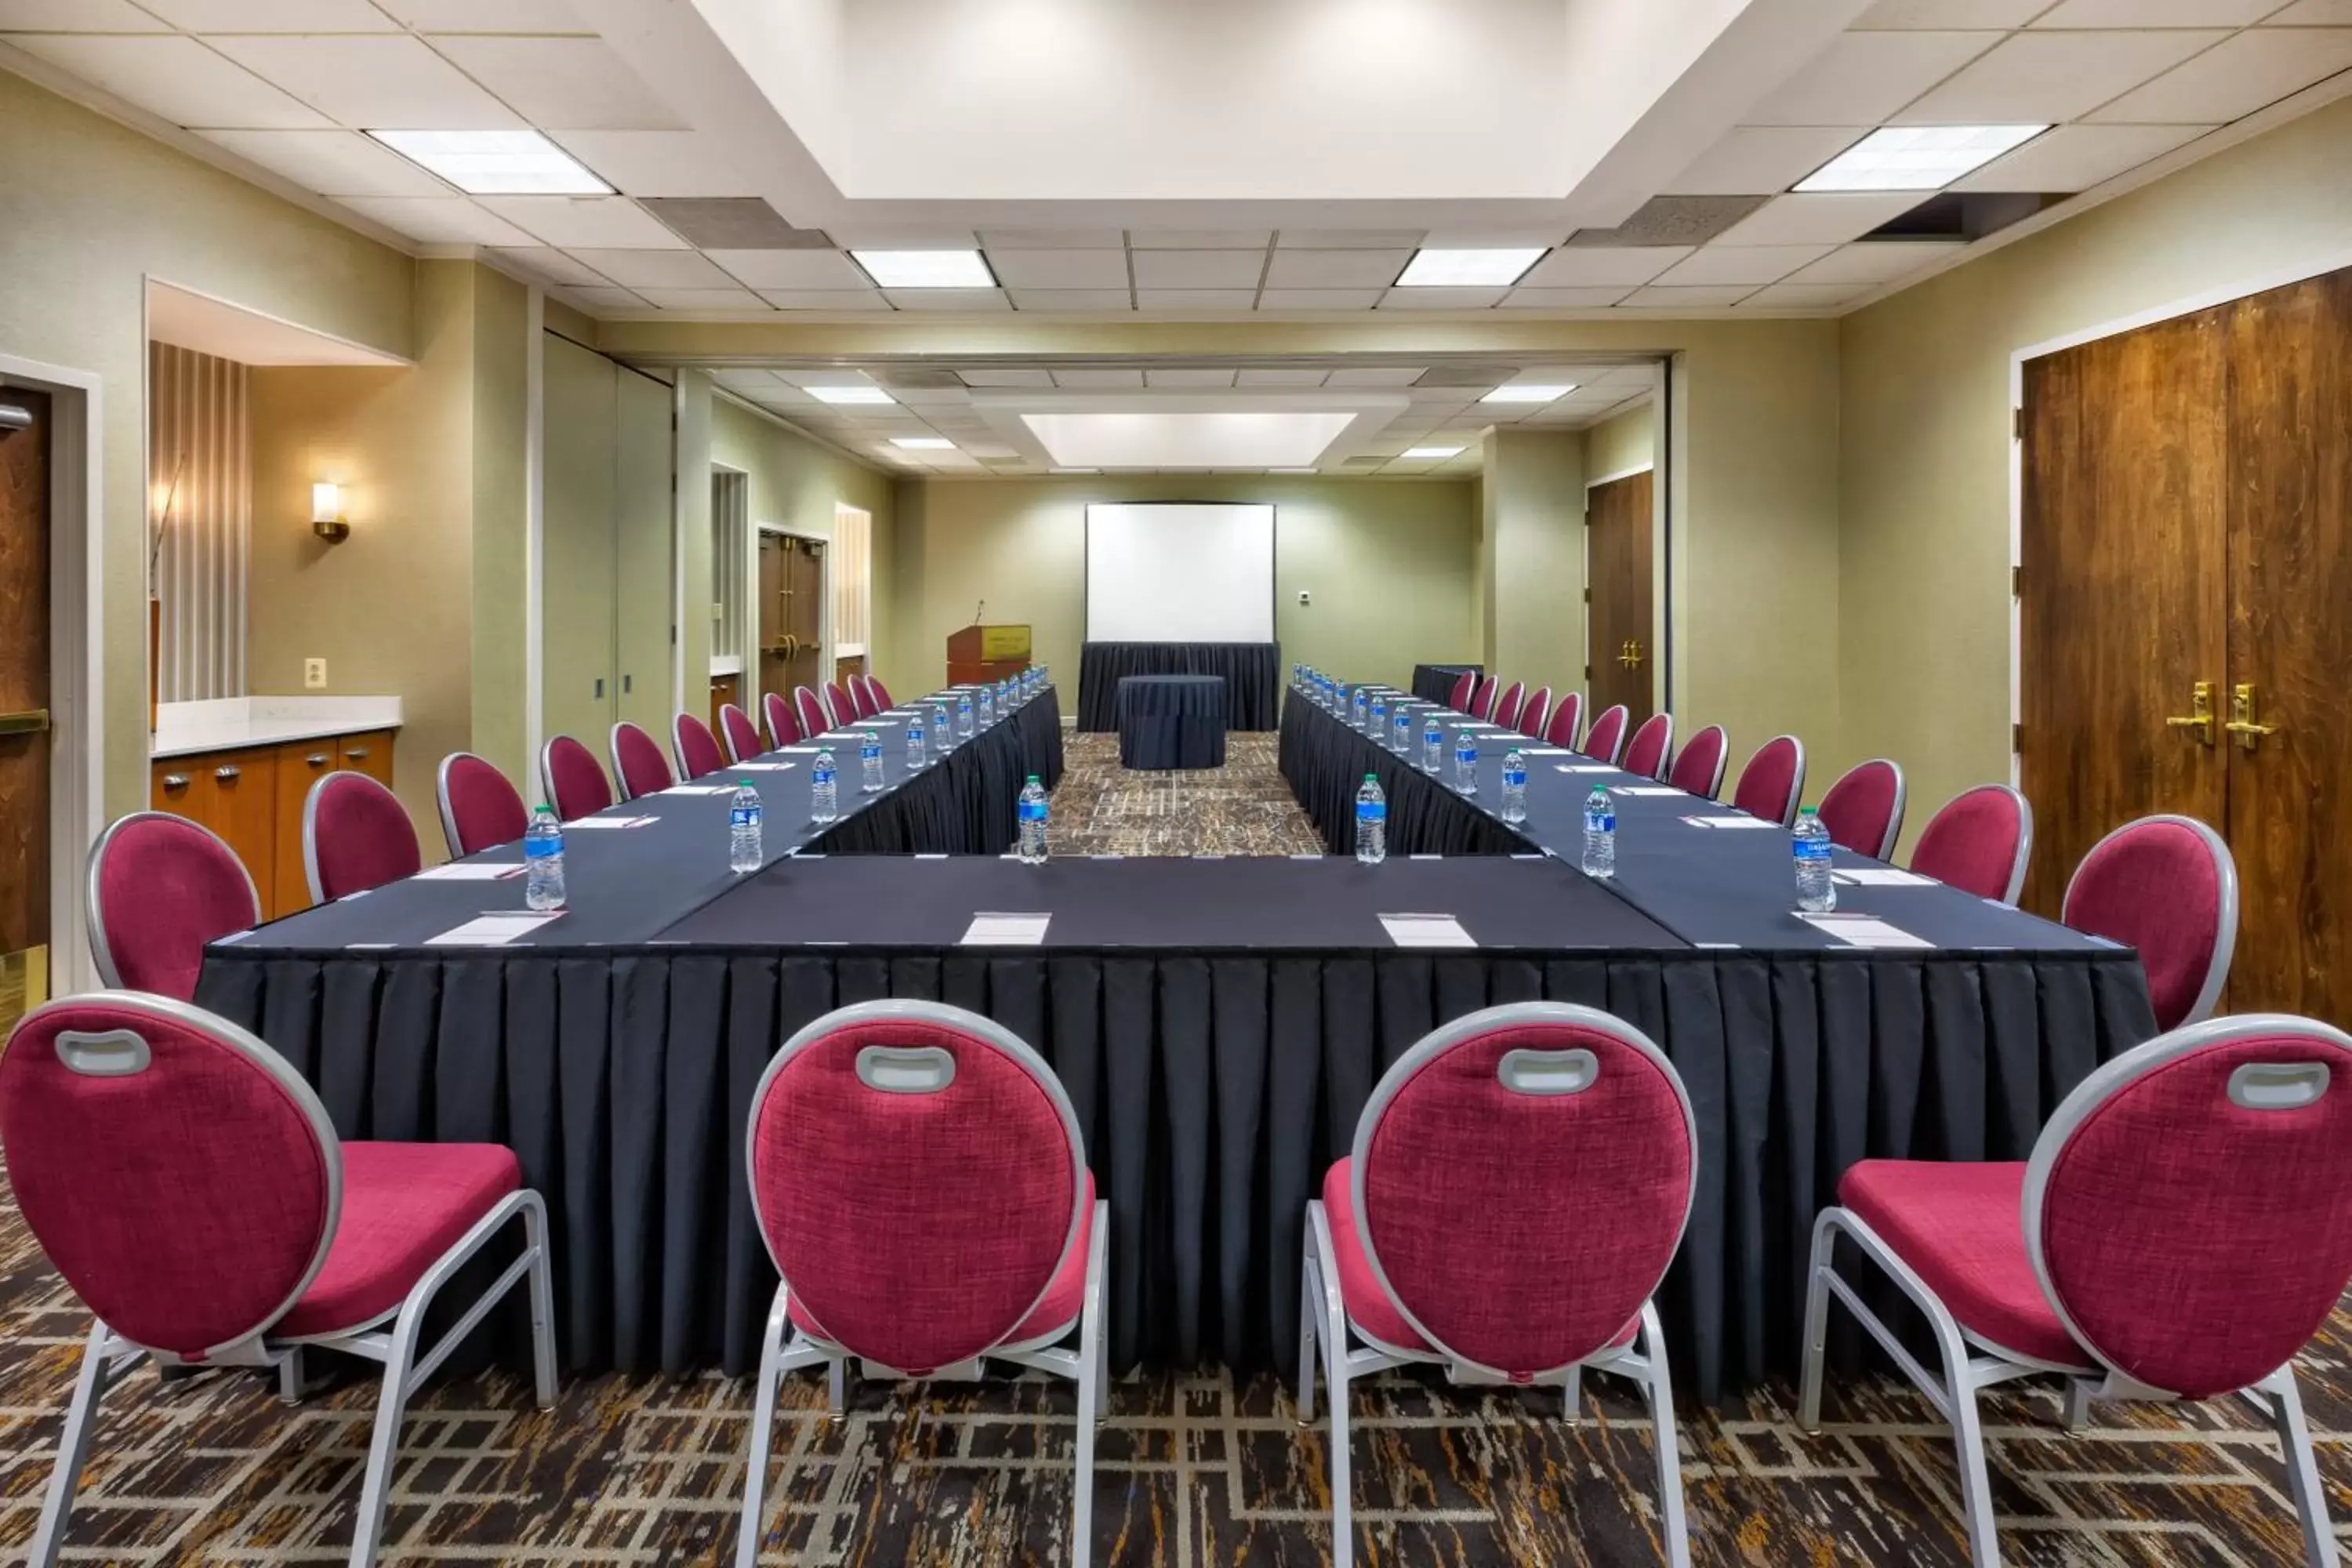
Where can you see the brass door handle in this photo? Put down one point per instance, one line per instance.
(2199, 716)
(1630, 654)
(2241, 717)
(28, 721)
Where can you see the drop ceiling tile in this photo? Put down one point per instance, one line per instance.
(603, 298)
(2048, 79)
(1805, 295)
(1656, 298)
(1527, 298)
(331, 163)
(1592, 266)
(1187, 378)
(1279, 375)
(387, 83)
(2236, 76)
(1072, 299)
(561, 84)
(1376, 375)
(792, 269)
(937, 402)
(1230, 299)
(440, 220)
(1199, 239)
(1950, 14)
(1100, 379)
(1876, 261)
(1862, 79)
(1319, 299)
(1442, 298)
(487, 16)
(746, 380)
(1198, 268)
(176, 77)
(635, 268)
(658, 163)
(2156, 14)
(552, 264)
(1335, 268)
(1763, 160)
(1348, 238)
(1006, 377)
(273, 16)
(1060, 269)
(1749, 264)
(948, 300)
(2076, 157)
(832, 375)
(2314, 14)
(1052, 238)
(77, 17)
(704, 300)
(859, 239)
(1820, 217)
(603, 222)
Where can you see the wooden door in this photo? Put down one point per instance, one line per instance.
(2289, 821)
(1620, 651)
(579, 690)
(792, 612)
(644, 502)
(2123, 588)
(24, 706)
(243, 810)
(298, 765)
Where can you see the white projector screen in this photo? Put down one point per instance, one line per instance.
(1179, 572)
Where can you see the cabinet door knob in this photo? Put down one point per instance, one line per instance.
(225, 774)
(317, 759)
(356, 755)
(175, 781)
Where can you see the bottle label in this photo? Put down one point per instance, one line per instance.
(1033, 811)
(1600, 822)
(542, 848)
(746, 816)
(1370, 811)
(1516, 777)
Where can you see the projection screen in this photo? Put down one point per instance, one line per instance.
(1179, 572)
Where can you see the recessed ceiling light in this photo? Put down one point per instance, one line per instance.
(1294, 470)
(925, 269)
(922, 443)
(1433, 452)
(1468, 268)
(1078, 470)
(1520, 392)
(849, 394)
(1917, 157)
(496, 163)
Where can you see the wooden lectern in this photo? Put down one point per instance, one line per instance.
(980, 655)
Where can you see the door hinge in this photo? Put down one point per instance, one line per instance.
(1588, 596)
(2017, 582)
(2017, 740)
(2017, 423)
(1588, 672)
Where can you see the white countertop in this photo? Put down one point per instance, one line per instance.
(227, 724)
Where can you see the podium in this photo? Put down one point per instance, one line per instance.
(980, 655)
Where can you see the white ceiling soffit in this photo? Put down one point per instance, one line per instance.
(191, 320)
(1117, 427)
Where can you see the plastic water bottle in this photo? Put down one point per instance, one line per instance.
(1379, 717)
(1515, 786)
(1031, 843)
(1372, 823)
(1433, 745)
(1401, 740)
(1816, 889)
(869, 764)
(963, 717)
(1465, 761)
(915, 762)
(1600, 834)
(1363, 708)
(542, 861)
(987, 706)
(743, 819)
(824, 803)
(942, 727)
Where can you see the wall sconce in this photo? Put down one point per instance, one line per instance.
(326, 519)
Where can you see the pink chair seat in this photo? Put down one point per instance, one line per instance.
(1960, 1229)
(404, 1204)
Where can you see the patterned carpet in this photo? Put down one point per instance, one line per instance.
(1194, 1469)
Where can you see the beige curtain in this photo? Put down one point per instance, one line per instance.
(198, 427)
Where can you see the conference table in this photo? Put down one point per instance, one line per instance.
(1252, 673)
(1219, 1023)
(1172, 721)
(1434, 682)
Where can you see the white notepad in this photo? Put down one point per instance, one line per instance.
(1006, 931)
(1880, 877)
(1584, 767)
(765, 767)
(599, 824)
(798, 751)
(1426, 931)
(1643, 790)
(700, 789)
(1730, 823)
(491, 931)
(470, 871)
(1865, 931)
(1546, 752)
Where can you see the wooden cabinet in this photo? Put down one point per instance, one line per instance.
(253, 797)
(369, 754)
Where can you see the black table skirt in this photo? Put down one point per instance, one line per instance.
(1324, 764)
(1252, 673)
(964, 803)
(1172, 721)
(1434, 682)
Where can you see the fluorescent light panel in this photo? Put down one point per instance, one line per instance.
(496, 163)
(1526, 392)
(1433, 452)
(1468, 268)
(922, 443)
(849, 394)
(1223, 439)
(925, 269)
(1917, 157)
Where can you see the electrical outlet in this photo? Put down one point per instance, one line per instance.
(1303, 599)
(314, 672)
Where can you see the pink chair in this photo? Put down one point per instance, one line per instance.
(162, 887)
(355, 835)
(815, 721)
(1518, 1183)
(2167, 888)
(917, 1177)
(862, 697)
(1979, 843)
(1506, 709)
(882, 703)
(638, 766)
(1465, 686)
(783, 728)
(479, 809)
(1532, 716)
(1699, 766)
(1567, 726)
(695, 747)
(2182, 1230)
(840, 708)
(1606, 739)
(1773, 782)
(1646, 753)
(573, 778)
(1864, 810)
(185, 1181)
(1482, 706)
(742, 736)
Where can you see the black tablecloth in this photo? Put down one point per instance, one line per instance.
(1252, 673)
(1172, 721)
(1434, 682)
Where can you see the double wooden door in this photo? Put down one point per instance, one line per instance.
(25, 485)
(1619, 648)
(792, 612)
(2185, 636)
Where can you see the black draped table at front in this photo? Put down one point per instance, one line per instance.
(1172, 721)
(1436, 682)
(1252, 673)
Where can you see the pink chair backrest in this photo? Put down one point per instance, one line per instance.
(1465, 686)
(1979, 842)
(917, 1173)
(783, 728)
(1646, 753)
(2189, 1209)
(1864, 810)
(178, 1172)
(696, 748)
(2168, 887)
(812, 716)
(1532, 716)
(1567, 726)
(479, 808)
(839, 706)
(861, 694)
(1482, 706)
(881, 694)
(1607, 739)
(1698, 767)
(160, 887)
(742, 736)
(638, 766)
(355, 835)
(1506, 710)
(1773, 782)
(574, 781)
(1522, 1176)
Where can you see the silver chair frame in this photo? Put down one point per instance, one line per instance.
(734, 753)
(1665, 747)
(458, 850)
(101, 951)
(1624, 723)
(1532, 719)
(621, 775)
(2225, 937)
(769, 703)
(1722, 758)
(343, 778)
(1796, 775)
(2024, 856)
(1886, 840)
